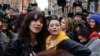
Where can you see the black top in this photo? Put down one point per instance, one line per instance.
(19, 48)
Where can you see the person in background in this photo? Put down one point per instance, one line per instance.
(77, 26)
(90, 40)
(9, 18)
(17, 25)
(31, 36)
(88, 17)
(67, 26)
(3, 37)
(25, 11)
(59, 40)
(94, 22)
(78, 16)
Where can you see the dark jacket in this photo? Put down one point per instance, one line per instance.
(20, 48)
(74, 48)
(3, 40)
(72, 35)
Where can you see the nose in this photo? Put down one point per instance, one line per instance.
(54, 27)
(38, 22)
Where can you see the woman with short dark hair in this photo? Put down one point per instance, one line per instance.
(59, 40)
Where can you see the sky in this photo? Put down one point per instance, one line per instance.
(42, 4)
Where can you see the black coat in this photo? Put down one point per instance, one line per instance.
(74, 48)
(19, 48)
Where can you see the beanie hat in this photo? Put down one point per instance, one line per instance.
(95, 17)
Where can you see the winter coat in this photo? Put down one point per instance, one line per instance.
(64, 43)
(94, 46)
(20, 48)
(73, 47)
(3, 40)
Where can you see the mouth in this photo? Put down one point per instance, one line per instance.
(54, 30)
(37, 28)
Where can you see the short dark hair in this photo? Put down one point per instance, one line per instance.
(53, 18)
(84, 32)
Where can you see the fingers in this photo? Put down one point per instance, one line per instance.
(33, 54)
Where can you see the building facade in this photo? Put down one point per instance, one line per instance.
(13, 3)
(20, 4)
(55, 9)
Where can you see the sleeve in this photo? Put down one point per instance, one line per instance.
(1, 50)
(12, 49)
(96, 49)
(75, 48)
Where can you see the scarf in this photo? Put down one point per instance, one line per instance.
(62, 36)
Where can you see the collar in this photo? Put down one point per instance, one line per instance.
(62, 36)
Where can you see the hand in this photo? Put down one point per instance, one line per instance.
(33, 54)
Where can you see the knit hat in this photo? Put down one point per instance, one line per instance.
(95, 17)
(79, 13)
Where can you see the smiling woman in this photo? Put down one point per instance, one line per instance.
(41, 4)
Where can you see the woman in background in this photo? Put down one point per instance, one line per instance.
(91, 41)
(94, 22)
(67, 26)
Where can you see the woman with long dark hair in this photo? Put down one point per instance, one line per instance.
(31, 36)
(94, 22)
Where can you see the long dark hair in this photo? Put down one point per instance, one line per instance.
(24, 32)
(96, 28)
(18, 22)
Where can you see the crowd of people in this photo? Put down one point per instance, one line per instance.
(31, 33)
